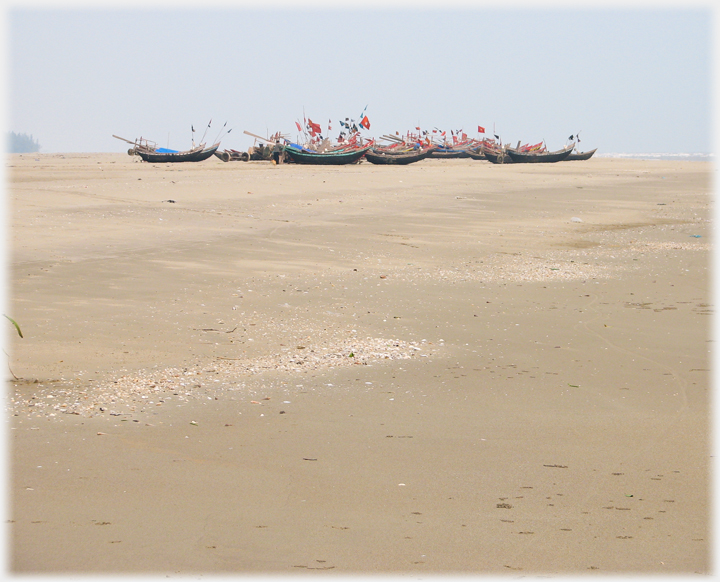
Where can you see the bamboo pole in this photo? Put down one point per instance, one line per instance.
(123, 139)
(257, 136)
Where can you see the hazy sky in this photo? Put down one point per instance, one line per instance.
(631, 80)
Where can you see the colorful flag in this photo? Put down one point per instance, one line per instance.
(481, 129)
(298, 126)
(365, 122)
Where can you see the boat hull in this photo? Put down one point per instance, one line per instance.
(398, 159)
(497, 157)
(190, 156)
(449, 154)
(478, 155)
(331, 159)
(539, 158)
(581, 155)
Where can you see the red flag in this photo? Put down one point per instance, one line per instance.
(481, 129)
(365, 122)
(464, 136)
(298, 126)
(417, 128)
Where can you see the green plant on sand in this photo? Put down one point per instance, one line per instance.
(19, 331)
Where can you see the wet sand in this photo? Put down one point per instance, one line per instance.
(443, 368)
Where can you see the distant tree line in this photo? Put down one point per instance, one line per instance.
(21, 143)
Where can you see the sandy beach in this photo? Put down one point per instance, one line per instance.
(450, 367)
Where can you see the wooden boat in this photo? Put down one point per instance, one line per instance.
(301, 155)
(449, 153)
(379, 156)
(458, 149)
(497, 156)
(476, 154)
(581, 155)
(149, 152)
(161, 155)
(395, 149)
(519, 157)
(398, 146)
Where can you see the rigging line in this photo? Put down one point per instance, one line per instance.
(220, 132)
(208, 127)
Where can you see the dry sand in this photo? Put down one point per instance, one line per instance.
(449, 367)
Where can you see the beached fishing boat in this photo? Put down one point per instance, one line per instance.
(449, 153)
(476, 154)
(581, 155)
(532, 157)
(149, 152)
(496, 155)
(301, 155)
(403, 157)
(163, 155)
(399, 148)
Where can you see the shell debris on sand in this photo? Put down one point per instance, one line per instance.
(136, 392)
